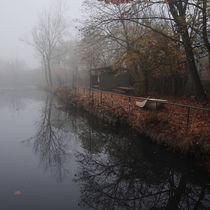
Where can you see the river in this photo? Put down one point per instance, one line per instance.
(56, 160)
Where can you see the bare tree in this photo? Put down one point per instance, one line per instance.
(181, 15)
(47, 35)
(115, 32)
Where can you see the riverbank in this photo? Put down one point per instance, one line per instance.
(179, 127)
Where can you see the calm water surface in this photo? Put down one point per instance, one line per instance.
(64, 161)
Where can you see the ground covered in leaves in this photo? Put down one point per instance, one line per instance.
(182, 125)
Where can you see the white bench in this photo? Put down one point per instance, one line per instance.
(151, 103)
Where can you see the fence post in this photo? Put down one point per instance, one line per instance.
(188, 117)
(103, 105)
(129, 107)
(101, 97)
(93, 97)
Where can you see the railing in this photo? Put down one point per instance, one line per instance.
(184, 116)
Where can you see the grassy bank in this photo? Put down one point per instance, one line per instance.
(180, 127)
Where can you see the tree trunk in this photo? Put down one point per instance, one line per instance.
(145, 82)
(49, 73)
(200, 93)
(178, 10)
(45, 72)
(205, 29)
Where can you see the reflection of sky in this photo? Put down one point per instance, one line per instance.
(16, 100)
(20, 166)
(87, 148)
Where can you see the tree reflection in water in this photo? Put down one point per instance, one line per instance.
(116, 171)
(49, 141)
(130, 174)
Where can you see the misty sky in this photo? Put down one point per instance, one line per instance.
(17, 18)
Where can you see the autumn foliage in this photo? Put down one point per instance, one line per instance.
(187, 22)
(153, 58)
(178, 127)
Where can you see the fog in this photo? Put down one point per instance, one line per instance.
(17, 74)
(104, 104)
(18, 17)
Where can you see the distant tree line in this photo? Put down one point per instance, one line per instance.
(15, 73)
